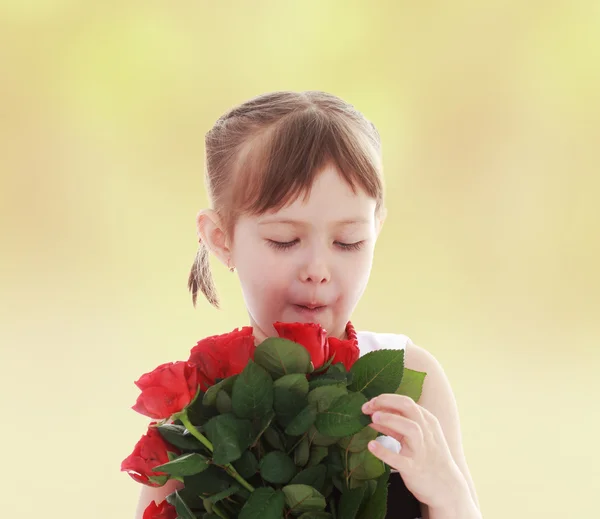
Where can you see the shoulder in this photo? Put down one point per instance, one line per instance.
(419, 359)
(438, 396)
(439, 399)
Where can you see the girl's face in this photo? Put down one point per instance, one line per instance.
(311, 260)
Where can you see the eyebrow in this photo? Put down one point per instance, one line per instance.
(288, 221)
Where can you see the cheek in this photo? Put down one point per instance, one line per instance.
(264, 273)
(356, 272)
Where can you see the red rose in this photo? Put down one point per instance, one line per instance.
(346, 351)
(166, 390)
(221, 356)
(162, 511)
(309, 335)
(149, 452)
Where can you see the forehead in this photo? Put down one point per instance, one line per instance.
(330, 199)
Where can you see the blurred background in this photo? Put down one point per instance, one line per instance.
(489, 113)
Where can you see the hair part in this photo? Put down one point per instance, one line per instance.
(267, 151)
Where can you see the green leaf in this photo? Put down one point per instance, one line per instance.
(296, 382)
(219, 496)
(252, 393)
(277, 467)
(183, 511)
(317, 454)
(364, 465)
(334, 462)
(312, 476)
(338, 367)
(263, 503)
(224, 403)
(246, 465)
(325, 365)
(302, 421)
(282, 357)
(158, 480)
(378, 372)
(350, 502)
(210, 397)
(178, 436)
(376, 505)
(192, 500)
(230, 437)
(210, 481)
(198, 413)
(344, 416)
(355, 483)
(316, 438)
(289, 396)
(273, 438)
(260, 425)
(330, 378)
(315, 515)
(324, 395)
(412, 384)
(359, 441)
(303, 498)
(302, 452)
(185, 465)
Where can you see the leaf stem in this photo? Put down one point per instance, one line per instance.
(297, 443)
(229, 468)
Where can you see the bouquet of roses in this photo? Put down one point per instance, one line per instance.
(268, 431)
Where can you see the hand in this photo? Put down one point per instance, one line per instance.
(424, 461)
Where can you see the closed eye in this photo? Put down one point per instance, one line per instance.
(282, 245)
(350, 246)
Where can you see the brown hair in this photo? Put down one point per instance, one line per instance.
(265, 152)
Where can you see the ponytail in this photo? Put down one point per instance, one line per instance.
(201, 278)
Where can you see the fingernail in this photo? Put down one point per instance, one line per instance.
(376, 416)
(366, 407)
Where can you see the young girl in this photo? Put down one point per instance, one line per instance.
(295, 181)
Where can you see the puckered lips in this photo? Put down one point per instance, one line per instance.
(311, 309)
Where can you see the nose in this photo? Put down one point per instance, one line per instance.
(315, 270)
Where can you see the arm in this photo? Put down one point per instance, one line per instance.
(156, 494)
(438, 398)
(463, 507)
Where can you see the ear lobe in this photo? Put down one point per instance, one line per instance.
(212, 234)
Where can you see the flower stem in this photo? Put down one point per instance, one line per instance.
(229, 468)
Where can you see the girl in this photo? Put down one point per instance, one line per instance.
(295, 181)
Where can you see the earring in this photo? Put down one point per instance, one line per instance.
(231, 269)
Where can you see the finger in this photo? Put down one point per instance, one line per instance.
(403, 429)
(394, 460)
(405, 448)
(399, 403)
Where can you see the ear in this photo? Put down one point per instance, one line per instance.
(212, 234)
(381, 219)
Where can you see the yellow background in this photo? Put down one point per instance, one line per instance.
(489, 113)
